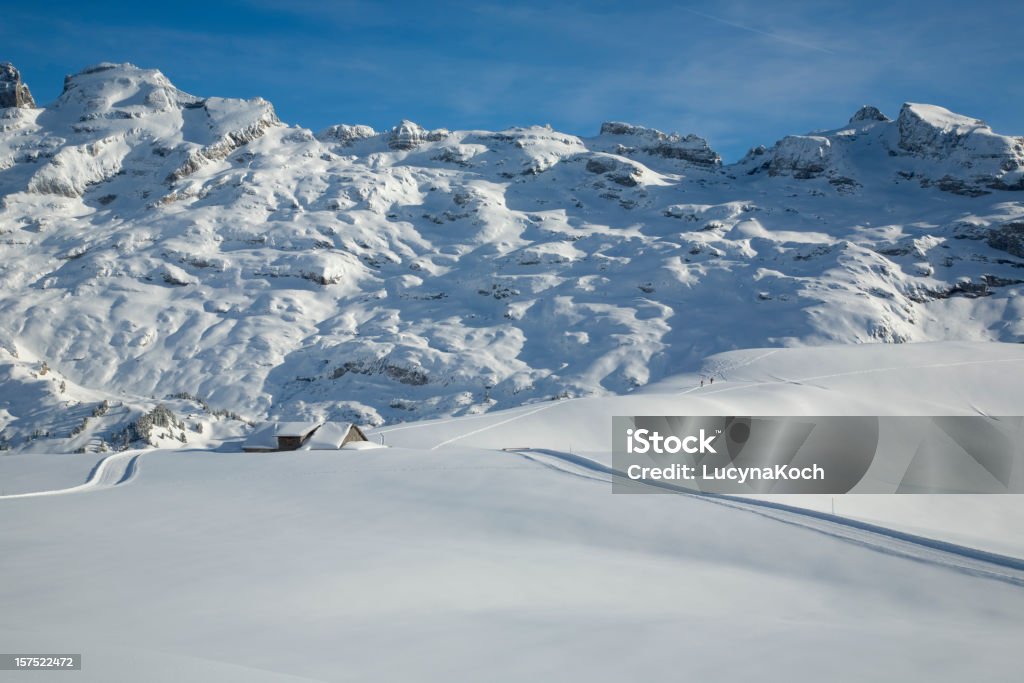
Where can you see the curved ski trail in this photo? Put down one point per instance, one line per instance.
(111, 471)
(882, 539)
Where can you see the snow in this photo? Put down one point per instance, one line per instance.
(444, 557)
(175, 269)
(362, 446)
(919, 379)
(27, 472)
(468, 563)
(156, 244)
(329, 435)
(299, 429)
(940, 117)
(262, 437)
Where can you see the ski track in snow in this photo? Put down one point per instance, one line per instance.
(721, 371)
(882, 539)
(868, 371)
(113, 470)
(457, 418)
(496, 424)
(121, 468)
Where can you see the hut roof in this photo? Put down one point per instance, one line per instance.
(263, 438)
(299, 429)
(330, 436)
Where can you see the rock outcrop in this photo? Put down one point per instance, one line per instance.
(929, 145)
(345, 134)
(1009, 237)
(623, 173)
(408, 135)
(630, 139)
(868, 113)
(283, 273)
(259, 119)
(13, 93)
(802, 156)
(972, 157)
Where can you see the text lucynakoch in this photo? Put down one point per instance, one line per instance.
(738, 474)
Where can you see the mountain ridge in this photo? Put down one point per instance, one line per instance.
(165, 248)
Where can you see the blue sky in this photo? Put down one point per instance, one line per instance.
(738, 73)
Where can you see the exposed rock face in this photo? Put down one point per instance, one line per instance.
(802, 156)
(91, 163)
(930, 145)
(108, 91)
(691, 148)
(110, 111)
(620, 173)
(345, 134)
(230, 141)
(287, 274)
(927, 130)
(977, 157)
(1008, 238)
(13, 93)
(408, 135)
(868, 113)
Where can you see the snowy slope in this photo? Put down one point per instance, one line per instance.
(163, 248)
(949, 378)
(943, 378)
(921, 379)
(443, 558)
(468, 564)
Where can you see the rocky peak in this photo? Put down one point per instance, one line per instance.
(929, 130)
(409, 135)
(801, 156)
(620, 128)
(345, 134)
(691, 148)
(868, 113)
(13, 93)
(120, 91)
(968, 157)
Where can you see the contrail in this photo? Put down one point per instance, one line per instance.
(743, 27)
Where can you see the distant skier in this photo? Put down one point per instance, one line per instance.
(712, 380)
(702, 383)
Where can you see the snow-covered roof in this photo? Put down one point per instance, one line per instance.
(265, 436)
(262, 438)
(330, 436)
(327, 436)
(299, 429)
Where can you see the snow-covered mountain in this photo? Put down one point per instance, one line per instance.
(161, 248)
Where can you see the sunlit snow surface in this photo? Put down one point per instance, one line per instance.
(154, 244)
(443, 558)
